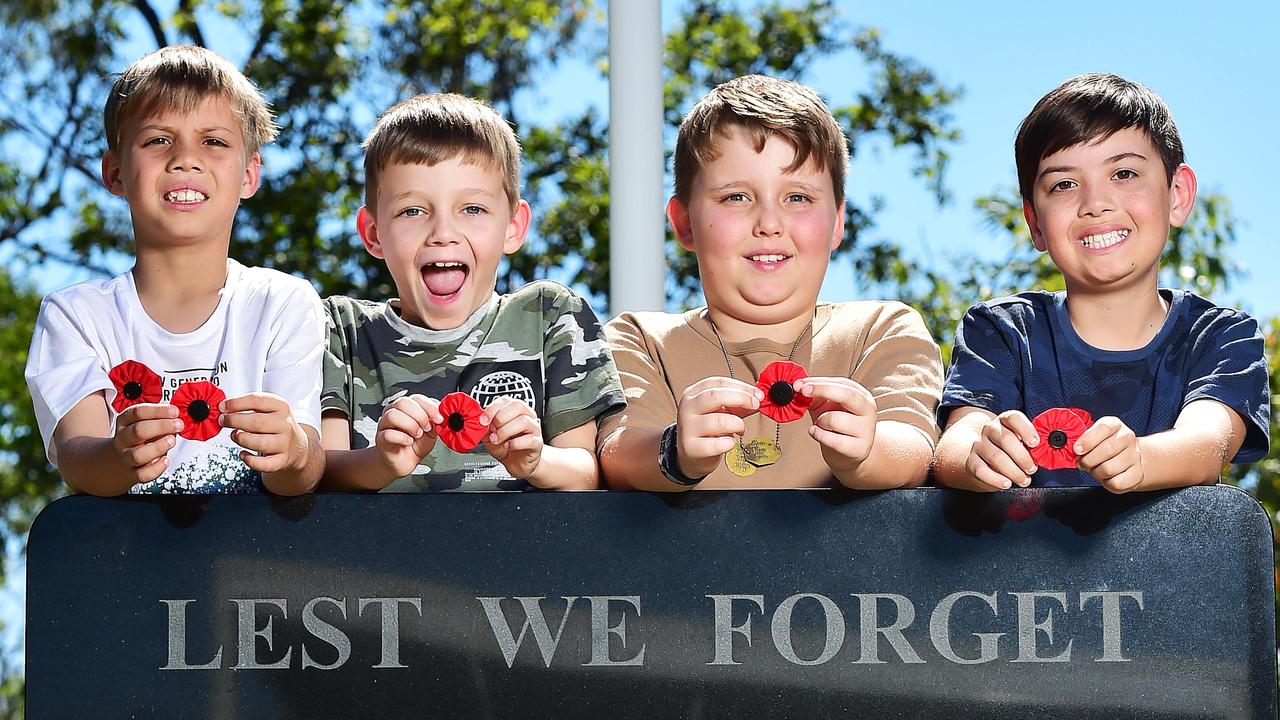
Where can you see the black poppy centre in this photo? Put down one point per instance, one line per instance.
(457, 422)
(781, 392)
(132, 390)
(198, 410)
(1057, 439)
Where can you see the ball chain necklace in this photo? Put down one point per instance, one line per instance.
(757, 452)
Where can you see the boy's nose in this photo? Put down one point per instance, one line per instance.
(768, 221)
(444, 233)
(183, 158)
(1095, 200)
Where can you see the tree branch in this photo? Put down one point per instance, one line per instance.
(153, 21)
(197, 37)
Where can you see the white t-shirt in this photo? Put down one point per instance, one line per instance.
(266, 335)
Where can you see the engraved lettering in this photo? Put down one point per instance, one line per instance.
(833, 627)
(1028, 627)
(940, 630)
(724, 628)
(601, 630)
(325, 632)
(869, 626)
(247, 633)
(178, 640)
(1111, 620)
(533, 621)
(390, 626)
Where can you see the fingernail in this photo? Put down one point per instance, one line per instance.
(1005, 484)
(177, 426)
(1078, 449)
(1034, 441)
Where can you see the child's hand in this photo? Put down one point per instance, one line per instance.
(515, 436)
(263, 425)
(145, 433)
(1000, 458)
(1109, 452)
(844, 420)
(709, 422)
(406, 433)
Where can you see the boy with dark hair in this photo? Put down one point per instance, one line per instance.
(759, 178)
(442, 206)
(1168, 387)
(190, 373)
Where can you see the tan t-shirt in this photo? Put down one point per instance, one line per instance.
(883, 346)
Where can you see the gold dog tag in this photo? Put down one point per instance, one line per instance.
(761, 451)
(736, 461)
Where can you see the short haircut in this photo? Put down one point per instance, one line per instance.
(434, 127)
(1089, 108)
(762, 106)
(179, 78)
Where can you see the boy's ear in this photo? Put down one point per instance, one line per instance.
(111, 174)
(1182, 191)
(517, 228)
(678, 216)
(1037, 237)
(838, 234)
(368, 230)
(252, 176)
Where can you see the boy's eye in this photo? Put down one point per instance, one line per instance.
(1062, 186)
(156, 141)
(1125, 174)
(473, 210)
(217, 142)
(411, 212)
(799, 198)
(735, 197)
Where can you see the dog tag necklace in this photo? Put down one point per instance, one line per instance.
(757, 452)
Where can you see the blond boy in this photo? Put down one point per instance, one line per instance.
(190, 373)
(442, 206)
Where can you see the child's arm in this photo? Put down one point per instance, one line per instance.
(1204, 438)
(984, 452)
(708, 421)
(92, 460)
(515, 440)
(287, 453)
(861, 452)
(405, 435)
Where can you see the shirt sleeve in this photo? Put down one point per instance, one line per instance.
(63, 368)
(335, 393)
(293, 362)
(902, 368)
(650, 402)
(581, 380)
(985, 366)
(1232, 370)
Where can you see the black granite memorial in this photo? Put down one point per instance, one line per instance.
(926, 603)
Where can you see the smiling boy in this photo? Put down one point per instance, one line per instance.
(442, 206)
(128, 374)
(759, 177)
(1177, 385)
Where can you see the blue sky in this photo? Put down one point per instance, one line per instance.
(1208, 60)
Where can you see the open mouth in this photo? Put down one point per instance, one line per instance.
(444, 279)
(1104, 240)
(185, 196)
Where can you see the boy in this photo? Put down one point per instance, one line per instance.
(1176, 385)
(759, 197)
(442, 206)
(129, 375)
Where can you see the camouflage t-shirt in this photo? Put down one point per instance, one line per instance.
(541, 344)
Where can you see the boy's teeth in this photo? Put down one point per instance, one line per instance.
(186, 196)
(446, 264)
(767, 258)
(1104, 240)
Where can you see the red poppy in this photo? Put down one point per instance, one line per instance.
(1059, 429)
(135, 383)
(197, 404)
(781, 401)
(461, 430)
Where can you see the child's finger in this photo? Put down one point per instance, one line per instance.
(528, 441)
(714, 425)
(261, 443)
(1012, 447)
(254, 402)
(273, 462)
(395, 437)
(404, 420)
(516, 426)
(988, 477)
(504, 409)
(842, 422)
(147, 453)
(1021, 426)
(708, 447)
(430, 406)
(995, 458)
(146, 431)
(846, 445)
(722, 399)
(152, 470)
(1123, 482)
(146, 411)
(1101, 430)
(849, 395)
(254, 422)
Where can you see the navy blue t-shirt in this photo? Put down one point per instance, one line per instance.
(1021, 353)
